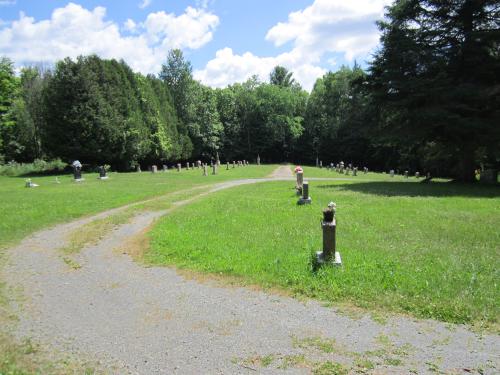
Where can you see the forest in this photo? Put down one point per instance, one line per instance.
(428, 101)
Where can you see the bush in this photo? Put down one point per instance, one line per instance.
(39, 166)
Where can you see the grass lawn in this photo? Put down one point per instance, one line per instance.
(431, 250)
(23, 211)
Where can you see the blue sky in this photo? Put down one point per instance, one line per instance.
(226, 41)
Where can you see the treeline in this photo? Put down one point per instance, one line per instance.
(429, 101)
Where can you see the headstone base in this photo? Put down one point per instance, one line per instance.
(103, 178)
(335, 261)
(79, 179)
(303, 200)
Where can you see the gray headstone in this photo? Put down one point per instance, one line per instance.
(305, 199)
(154, 169)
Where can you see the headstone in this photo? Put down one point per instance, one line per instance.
(355, 171)
(305, 199)
(489, 176)
(205, 170)
(234, 164)
(138, 168)
(392, 172)
(198, 164)
(329, 254)
(342, 167)
(102, 173)
(365, 170)
(317, 162)
(300, 181)
(406, 174)
(417, 174)
(258, 159)
(178, 167)
(227, 166)
(77, 171)
(57, 180)
(321, 163)
(214, 169)
(165, 168)
(30, 184)
(347, 170)
(154, 169)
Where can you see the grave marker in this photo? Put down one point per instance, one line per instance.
(102, 173)
(305, 199)
(154, 169)
(329, 255)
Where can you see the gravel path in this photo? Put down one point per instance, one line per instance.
(151, 320)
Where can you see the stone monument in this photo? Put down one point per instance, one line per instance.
(329, 255)
(305, 198)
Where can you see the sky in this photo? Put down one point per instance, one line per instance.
(226, 41)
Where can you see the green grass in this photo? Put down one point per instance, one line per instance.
(431, 250)
(23, 210)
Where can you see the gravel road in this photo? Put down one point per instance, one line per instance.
(152, 320)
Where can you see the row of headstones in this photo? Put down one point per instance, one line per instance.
(329, 254)
(341, 168)
(198, 165)
(406, 174)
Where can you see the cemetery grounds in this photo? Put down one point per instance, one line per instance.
(417, 292)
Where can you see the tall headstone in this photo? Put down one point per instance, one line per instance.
(227, 166)
(234, 164)
(329, 254)
(355, 171)
(317, 162)
(205, 170)
(258, 159)
(154, 169)
(214, 169)
(321, 163)
(178, 167)
(300, 181)
(305, 198)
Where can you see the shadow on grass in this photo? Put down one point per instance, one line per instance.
(416, 189)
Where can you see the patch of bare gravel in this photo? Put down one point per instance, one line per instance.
(151, 320)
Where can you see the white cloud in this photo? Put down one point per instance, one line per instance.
(227, 68)
(74, 30)
(130, 25)
(326, 26)
(7, 2)
(145, 4)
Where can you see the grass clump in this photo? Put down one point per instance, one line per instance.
(430, 250)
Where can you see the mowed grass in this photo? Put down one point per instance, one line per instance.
(431, 250)
(23, 210)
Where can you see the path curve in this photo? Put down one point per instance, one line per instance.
(151, 320)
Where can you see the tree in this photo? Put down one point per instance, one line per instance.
(436, 77)
(280, 76)
(9, 86)
(177, 74)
